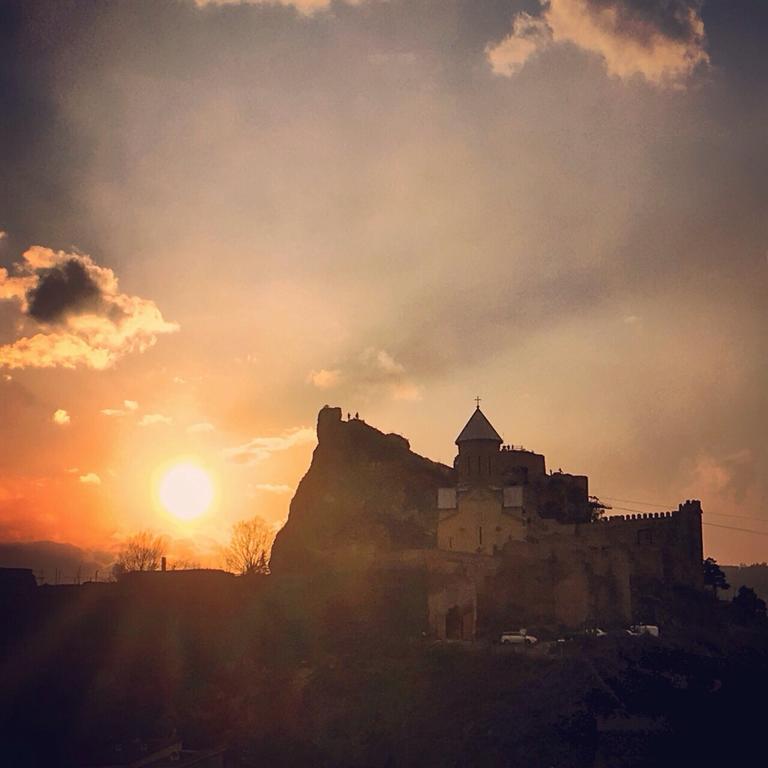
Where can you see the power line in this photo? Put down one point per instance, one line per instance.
(742, 517)
(734, 528)
(641, 503)
(637, 511)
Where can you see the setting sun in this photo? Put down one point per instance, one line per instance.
(186, 491)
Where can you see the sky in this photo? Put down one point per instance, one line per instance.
(217, 217)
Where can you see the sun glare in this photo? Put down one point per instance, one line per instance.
(186, 491)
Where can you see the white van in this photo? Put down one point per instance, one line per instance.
(521, 637)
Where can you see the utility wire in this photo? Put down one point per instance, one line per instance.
(641, 503)
(733, 528)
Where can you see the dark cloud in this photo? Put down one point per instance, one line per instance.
(63, 289)
(641, 19)
(95, 323)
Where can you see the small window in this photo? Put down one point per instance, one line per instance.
(450, 542)
(480, 535)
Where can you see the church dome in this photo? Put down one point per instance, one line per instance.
(478, 428)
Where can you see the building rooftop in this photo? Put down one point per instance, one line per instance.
(478, 428)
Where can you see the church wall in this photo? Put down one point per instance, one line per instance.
(480, 524)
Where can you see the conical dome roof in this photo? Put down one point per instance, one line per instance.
(478, 428)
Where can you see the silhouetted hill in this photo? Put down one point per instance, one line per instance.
(364, 489)
(49, 558)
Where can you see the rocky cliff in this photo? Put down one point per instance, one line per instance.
(365, 491)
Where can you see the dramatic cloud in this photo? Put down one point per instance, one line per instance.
(90, 478)
(85, 320)
(261, 448)
(61, 417)
(151, 419)
(661, 40)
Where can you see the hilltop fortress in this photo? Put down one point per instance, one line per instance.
(495, 541)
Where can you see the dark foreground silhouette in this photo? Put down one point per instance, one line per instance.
(335, 672)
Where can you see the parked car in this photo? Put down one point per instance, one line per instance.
(521, 637)
(644, 629)
(595, 632)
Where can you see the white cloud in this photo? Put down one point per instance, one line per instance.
(151, 419)
(261, 448)
(131, 405)
(529, 35)
(324, 378)
(113, 412)
(631, 39)
(61, 417)
(200, 428)
(90, 478)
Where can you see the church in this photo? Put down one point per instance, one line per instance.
(542, 552)
(503, 493)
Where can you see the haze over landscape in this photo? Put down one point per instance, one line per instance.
(218, 217)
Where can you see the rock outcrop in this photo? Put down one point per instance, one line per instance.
(365, 492)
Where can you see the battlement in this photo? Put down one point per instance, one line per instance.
(688, 507)
(638, 516)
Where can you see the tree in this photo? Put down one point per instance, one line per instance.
(596, 508)
(748, 607)
(714, 576)
(249, 546)
(141, 552)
